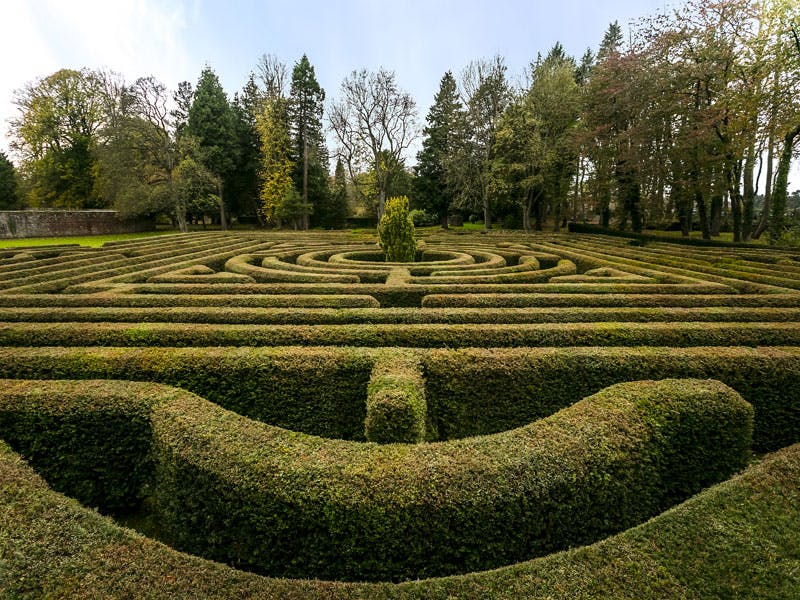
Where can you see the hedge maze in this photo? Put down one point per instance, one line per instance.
(273, 415)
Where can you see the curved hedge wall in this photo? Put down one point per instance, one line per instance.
(469, 391)
(301, 506)
(55, 548)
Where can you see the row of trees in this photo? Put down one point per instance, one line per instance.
(88, 139)
(682, 123)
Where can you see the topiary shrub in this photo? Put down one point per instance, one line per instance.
(396, 409)
(396, 231)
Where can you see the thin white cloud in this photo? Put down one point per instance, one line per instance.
(26, 53)
(132, 37)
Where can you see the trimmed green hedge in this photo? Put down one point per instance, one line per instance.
(199, 274)
(737, 539)
(92, 442)
(788, 276)
(470, 392)
(364, 275)
(411, 295)
(513, 300)
(243, 264)
(396, 409)
(295, 505)
(320, 391)
(36, 266)
(355, 316)
(132, 268)
(682, 266)
(178, 300)
(35, 276)
(410, 335)
(528, 272)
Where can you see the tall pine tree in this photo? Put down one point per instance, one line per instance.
(244, 184)
(211, 123)
(433, 192)
(310, 156)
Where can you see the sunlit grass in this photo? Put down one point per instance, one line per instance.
(94, 241)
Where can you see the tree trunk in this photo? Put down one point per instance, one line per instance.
(259, 216)
(305, 183)
(557, 210)
(180, 207)
(780, 193)
(605, 216)
(635, 206)
(526, 212)
(763, 222)
(582, 197)
(223, 222)
(684, 208)
(576, 194)
(736, 214)
(443, 221)
(538, 211)
(749, 194)
(180, 217)
(732, 177)
(716, 215)
(381, 202)
(604, 195)
(487, 213)
(699, 198)
(702, 212)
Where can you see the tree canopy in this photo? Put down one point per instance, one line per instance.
(688, 119)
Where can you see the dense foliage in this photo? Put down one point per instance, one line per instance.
(9, 198)
(396, 231)
(300, 506)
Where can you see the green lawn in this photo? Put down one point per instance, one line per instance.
(94, 241)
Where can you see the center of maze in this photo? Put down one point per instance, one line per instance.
(297, 407)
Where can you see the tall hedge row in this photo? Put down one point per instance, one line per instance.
(467, 391)
(524, 300)
(92, 441)
(185, 300)
(425, 335)
(356, 316)
(470, 392)
(320, 391)
(295, 505)
(411, 295)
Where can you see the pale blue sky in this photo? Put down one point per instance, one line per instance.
(173, 40)
(417, 39)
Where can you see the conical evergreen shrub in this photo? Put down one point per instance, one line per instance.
(396, 231)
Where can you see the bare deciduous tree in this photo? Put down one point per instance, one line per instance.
(273, 75)
(374, 123)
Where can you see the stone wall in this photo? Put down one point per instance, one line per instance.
(56, 223)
